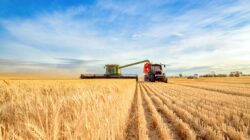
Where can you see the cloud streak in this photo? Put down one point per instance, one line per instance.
(195, 37)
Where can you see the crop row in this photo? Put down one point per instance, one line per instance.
(186, 114)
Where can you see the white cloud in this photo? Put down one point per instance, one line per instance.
(197, 40)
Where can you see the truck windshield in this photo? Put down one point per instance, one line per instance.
(157, 68)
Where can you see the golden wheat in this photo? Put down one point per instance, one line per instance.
(213, 109)
(72, 109)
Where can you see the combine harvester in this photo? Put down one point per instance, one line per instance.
(153, 72)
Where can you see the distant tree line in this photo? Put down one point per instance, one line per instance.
(213, 74)
(231, 74)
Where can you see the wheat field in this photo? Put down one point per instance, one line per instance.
(65, 109)
(184, 109)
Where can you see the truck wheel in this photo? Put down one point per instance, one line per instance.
(152, 78)
(166, 80)
(146, 78)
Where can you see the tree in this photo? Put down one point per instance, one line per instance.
(235, 74)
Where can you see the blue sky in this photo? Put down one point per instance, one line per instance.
(190, 36)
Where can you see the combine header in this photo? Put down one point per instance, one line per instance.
(153, 72)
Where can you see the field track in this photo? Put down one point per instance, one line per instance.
(184, 112)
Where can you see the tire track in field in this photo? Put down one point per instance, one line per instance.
(142, 123)
(165, 102)
(223, 84)
(229, 132)
(132, 131)
(186, 93)
(155, 124)
(179, 129)
(152, 132)
(220, 83)
(187, 117)
(216, 90)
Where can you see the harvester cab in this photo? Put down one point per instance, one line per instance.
(112, 69)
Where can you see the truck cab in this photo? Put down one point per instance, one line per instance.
(154, 72)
